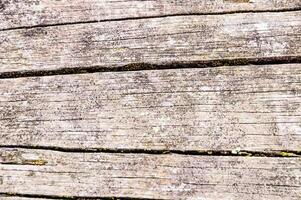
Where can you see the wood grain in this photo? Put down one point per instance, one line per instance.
(254, 108)
(169, 176)
(11, 197)
(153, 41)
(14, 14)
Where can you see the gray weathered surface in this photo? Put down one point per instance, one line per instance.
(256, 108)
(15, 14)
(50, 125)
(7, 197)
(149, 176)
(153, 41)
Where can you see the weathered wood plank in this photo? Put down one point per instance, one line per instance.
(43, 172)
(25, 198)
(153, 41)
(254, 108)
(15, 14)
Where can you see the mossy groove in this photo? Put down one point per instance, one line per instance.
(147, 66)
(34, 196)
(164, 151)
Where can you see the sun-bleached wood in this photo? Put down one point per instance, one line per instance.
(11, 197)
(165, 176)
(14, 14)
(153, 41)
(254, 108)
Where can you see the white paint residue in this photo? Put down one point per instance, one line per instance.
(261, 26)
(167, 104)
(30, 156)
(156, 129)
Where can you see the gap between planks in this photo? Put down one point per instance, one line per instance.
(235, 152)
(147, 66)
(22, 196)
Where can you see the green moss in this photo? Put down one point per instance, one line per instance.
(35, 162)
(247, 154)
(287, 154)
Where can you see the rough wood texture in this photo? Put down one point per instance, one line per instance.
(16, 13)
(149, 176)
(255, 108)
(153, 41)
(106, 134)
(7, 197)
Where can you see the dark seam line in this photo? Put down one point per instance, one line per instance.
(3, 194)
(164, 66)
(244, 153)
(152, 17)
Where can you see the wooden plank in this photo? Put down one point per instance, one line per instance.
(14, 14)
(254, 108)
(21, 198)
(25, 198)
(43, 172)
(153, 41)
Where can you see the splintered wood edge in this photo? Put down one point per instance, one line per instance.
(18, 14)
(230, 108)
